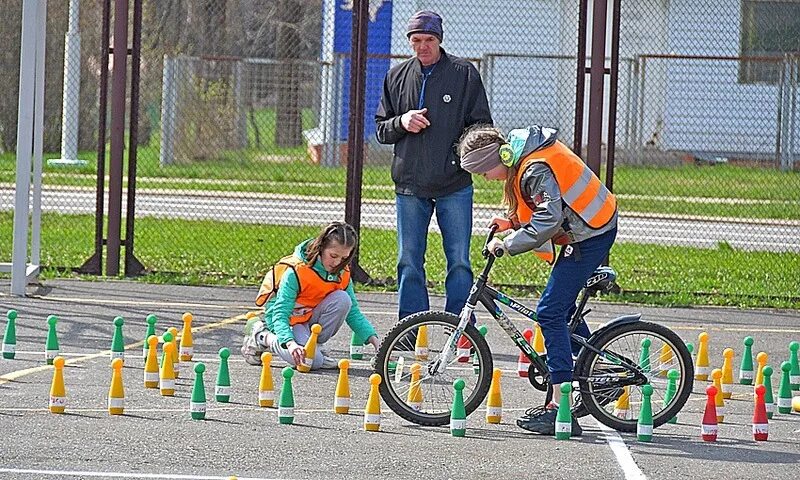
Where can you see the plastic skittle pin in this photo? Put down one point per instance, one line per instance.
(458, 416)
(762, 358)
(311, 349)
(746, 369)
(167, 378)
(644, 355)
(644, 427)
(794, 373)
(494, 402)
(151, 330)
(622, 407)
(118, 341)
(176, 359)
(10, 336)
(769, 399)
(187, 346)
(421, 345)
(709, 428)
(672, 389)
(266, 388)
(664, 359)
(372, 411)
(51, 347)
(476, 364)
(341, 400)
(116, 393)
(286, 402)
(523, 364)
(703, 365)
(538, 339)
(151, 363)
(414, 399)
(719, 403)
(785, 389)
(197, 405)
(58, 394)
(564, 415)
(222, 391)
(356, 347)
(727, 373)
(760, 422)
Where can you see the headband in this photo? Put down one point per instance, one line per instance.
(482, 159)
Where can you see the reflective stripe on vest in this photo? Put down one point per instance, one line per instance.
(580, 188)
(313, 289)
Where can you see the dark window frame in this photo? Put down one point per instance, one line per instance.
(761, 48)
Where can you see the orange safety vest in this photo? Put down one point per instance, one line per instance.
(313, 289)
(580, 189)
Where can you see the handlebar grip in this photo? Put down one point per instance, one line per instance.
(498, 252)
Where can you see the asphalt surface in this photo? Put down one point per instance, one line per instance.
(763, 235)
(156, 438)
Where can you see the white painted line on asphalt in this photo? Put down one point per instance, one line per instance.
(74, 473)
(624, 457)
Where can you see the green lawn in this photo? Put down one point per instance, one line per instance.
(205, 252)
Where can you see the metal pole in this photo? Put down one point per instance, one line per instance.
(70, 101)
(27, 72)
(132, 264)
(38, 140)
(355, 140)
(118, 77)
(612, 96)
(580, 80)
(596, 80)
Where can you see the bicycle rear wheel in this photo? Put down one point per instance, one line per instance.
(602, 380)
(430, 404)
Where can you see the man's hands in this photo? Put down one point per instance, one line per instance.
(414, 121)
(297, 352)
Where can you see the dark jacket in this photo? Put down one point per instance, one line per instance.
(426, 164)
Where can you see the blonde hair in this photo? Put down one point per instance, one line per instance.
(481, 135)
(339, 232)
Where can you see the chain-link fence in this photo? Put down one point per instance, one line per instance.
(244, 111)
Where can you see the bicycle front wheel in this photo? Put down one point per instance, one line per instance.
(407, 359)
(608, 389)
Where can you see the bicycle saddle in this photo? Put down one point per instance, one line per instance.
(602, 278)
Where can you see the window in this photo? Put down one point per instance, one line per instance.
(768, 29)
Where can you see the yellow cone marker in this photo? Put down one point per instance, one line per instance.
(414, 398)
(116, 393)
(494, 402)
(727, 373)
(176, 359)
(796, 403)
(341, 401)
(538, 339)
(716, 376)
(266, 389)
(58, 394)
(151, 363)
(372, 412)
(762, 358)
(622, 407)
(702, 369)
(311, 349)
(167, 378)
(187, 347)
(665, 359)
(421, 346)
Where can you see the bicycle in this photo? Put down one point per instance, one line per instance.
(604, 369)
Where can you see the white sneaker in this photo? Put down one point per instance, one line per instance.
(329, 363)
(251, 350)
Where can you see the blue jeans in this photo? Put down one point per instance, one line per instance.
(454, 215)
(558, 301)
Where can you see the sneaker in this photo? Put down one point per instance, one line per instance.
(329, 363)
(252, 350)
(542, 420)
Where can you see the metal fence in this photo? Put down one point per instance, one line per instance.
(244, 110)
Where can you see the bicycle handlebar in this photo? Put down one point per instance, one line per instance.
(498, 252)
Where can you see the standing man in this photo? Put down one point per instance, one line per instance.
(426, 104)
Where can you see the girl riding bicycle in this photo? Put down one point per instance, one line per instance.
(552, 198)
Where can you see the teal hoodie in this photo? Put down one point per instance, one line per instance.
(279, 308)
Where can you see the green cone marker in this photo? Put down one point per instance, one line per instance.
(769, 399)
(356, 347)
(785, 390)
(118, 341)
(286, 403)
(10, 336)
(223, 388)
(644, 355)
(458, 416)
(197, 406)
(151, 330)
(794, 374)
(564, 415)
(476, 366)
(672, 389)
(51, 347)
(644, 427)
(746, 370)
